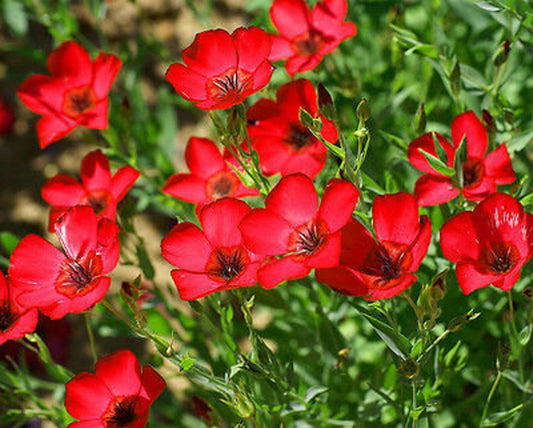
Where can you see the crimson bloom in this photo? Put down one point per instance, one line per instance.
(212, 259)
(15, 320)
(210, 179)
(382, 267)
(98, 189)
(489, 244)
(57, 283)
(118, 395)
(7, 118)
(222, 69)
(74, 94)
(283, 144)
(305, 35)
(481, 174)
(293, 226)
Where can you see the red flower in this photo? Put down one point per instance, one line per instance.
(306, 36)
(119, 394)
(15, 320)
(214, 259)
(222, 69)
(283, 144)
(210, 178)
(7, 118)
(490, 244)
(481, 174)
(98, 188)
(382, 267)
(75, 94)
(293, 226)
(57, 283)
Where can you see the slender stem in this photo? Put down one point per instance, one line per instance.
(435, 343)
(419, 318)
(91, 336)
(489, 398)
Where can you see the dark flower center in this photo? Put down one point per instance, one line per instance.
(99, 200)
(223, 183)
(500, 258)
(308, 239)
(387, 263)
(473, 171)
(298, 136)
(226, 264)
(120, 413)
(76, 275)
(7, 317)
(231, 83)
(308, 43)
(78, 101)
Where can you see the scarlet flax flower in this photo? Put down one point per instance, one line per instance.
(480, 174)
(222, 69)
(382, 267)
(306, 36)
(74, 94)
(212, 259)
(98, 188)
(489, 244)
(294, 227)
(15, 320)
(283, 143)
(210, 178)
(118, 394)
(58, 283)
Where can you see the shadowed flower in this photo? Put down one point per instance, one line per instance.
(74, 94)
(306, 36)
(7, 118)
(480, 174)
(382, 267)
(293, 226)
(118, 395)
(222, 69)
(58, 283)
(283, 144)
(489, 244)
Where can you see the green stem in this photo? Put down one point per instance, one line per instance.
(489, 398)
(91, 336)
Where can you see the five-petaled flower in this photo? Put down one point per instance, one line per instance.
(222, 69)
(15, 320)
(382, 267)
(306, 36)
(119, 394)
(74, 94)
(489, 244)
(58, 283)
(98, 189)
(211, 178)
(212, 259)
(293, 226)
(283, 143)
(480, 174)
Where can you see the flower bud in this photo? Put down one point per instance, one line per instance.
(325, 103)
(502, 53)
(363, 110)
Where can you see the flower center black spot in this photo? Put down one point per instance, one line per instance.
(228, 265)
(222, 187)
(298, 136)
(310, 43)
(309, 239)
(501, 259)
(473, 171)
(230, 82)
(7, 317)
(121, 414)
(99, 205)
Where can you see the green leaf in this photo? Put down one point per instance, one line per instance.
(8, 241)
(397, 141)
(314, 392)
(187, 362)
(15, 16)
(437, 164)
(144, 262)
(525, 335)
(501, 417)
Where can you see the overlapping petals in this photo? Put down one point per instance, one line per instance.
(489, 244)
(74, 94)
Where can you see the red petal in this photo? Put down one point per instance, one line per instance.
(192, 286)
(211, 53)
(425, 142)
(386, 293)
(481, 191)
(299, 64)
(469, 126)
(186, 187)
(510, 279)
(203, 158)
(470, 278)
(499, 167)
(122, 181)
(86, 396)
(95, 118)
(329, 254)
(280, 270)
(396, 218)
(53, 128)
(294, 198)
(338, 203)
(431, 190)
(261, 77)
(120, 372)
(459, 240)
(273, 154)
(357, 242)
(105, 70)
(328, 131)
(305, 162)
(248, 277)
(281, 48)
(290, 17)
(265, 233)
(253, 47)
(25, 323)
(188, 83)
(296, 94)
(42, 94)
(95, 173)
(76, 230)
(420, 245)
(186, 247)
(87, 423)
(62, 190)
(220, 221)
(152, 384)
(333, 9)
(71, 63)
(343, 280)
(108, 246)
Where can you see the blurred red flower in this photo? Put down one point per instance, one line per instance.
(58, 283)
(74, 94)
(307, 36)
(15, 320)
(293, 226)
(212, 259)
(210, 178)
(119, 394)
(283, 143)
(222, 69)
(98, 189)
(489, 244)
(382, 267)
(7, 118)
(481, 174)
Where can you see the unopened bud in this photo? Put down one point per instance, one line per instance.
(325, 103)
(363, 110)
(528, 292)
(438, 287)
(502, 53)
(409, 368)
(421, 119)
(488, 121)
(459, 322)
